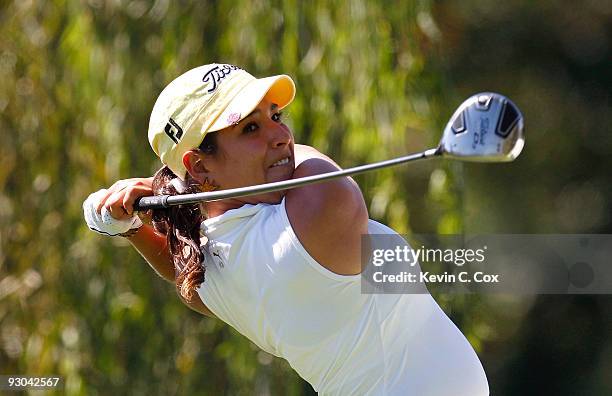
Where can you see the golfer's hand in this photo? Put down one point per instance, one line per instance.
(120, 197)
(111, 211)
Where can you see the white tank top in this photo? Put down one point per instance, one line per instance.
(261, 281)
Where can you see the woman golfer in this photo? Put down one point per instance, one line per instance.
(282, 268)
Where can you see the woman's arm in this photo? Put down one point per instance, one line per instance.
(153, 247)
(119, 200)
(328, 218)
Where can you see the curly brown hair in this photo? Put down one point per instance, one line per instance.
(181, 225)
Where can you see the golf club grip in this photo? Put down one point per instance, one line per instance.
(152, 202)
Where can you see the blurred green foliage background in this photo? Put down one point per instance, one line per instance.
(375, 79)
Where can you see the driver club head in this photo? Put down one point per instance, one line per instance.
(487, 127)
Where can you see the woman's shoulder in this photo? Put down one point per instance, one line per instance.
(329, 219)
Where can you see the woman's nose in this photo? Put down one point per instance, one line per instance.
(279, 135)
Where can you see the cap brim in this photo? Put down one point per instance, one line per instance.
(277, 89)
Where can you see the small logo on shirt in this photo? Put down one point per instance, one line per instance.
(217, 258)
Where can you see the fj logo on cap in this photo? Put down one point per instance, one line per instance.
(173, 130)
(216, 74)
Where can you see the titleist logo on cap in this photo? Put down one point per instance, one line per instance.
(216, 74)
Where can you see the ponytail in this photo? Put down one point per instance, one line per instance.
(181, 225)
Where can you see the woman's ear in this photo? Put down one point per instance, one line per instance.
(194, 163)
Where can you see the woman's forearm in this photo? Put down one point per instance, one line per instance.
(154, 249)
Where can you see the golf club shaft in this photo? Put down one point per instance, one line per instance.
(165, 201)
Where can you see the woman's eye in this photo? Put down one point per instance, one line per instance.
(277, 117)
(250, 127)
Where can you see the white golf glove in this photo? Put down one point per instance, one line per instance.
(104, 223)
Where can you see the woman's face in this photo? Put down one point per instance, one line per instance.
(257, 150)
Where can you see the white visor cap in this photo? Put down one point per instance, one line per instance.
(207, 99)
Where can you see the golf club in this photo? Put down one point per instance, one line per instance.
(487, 127)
